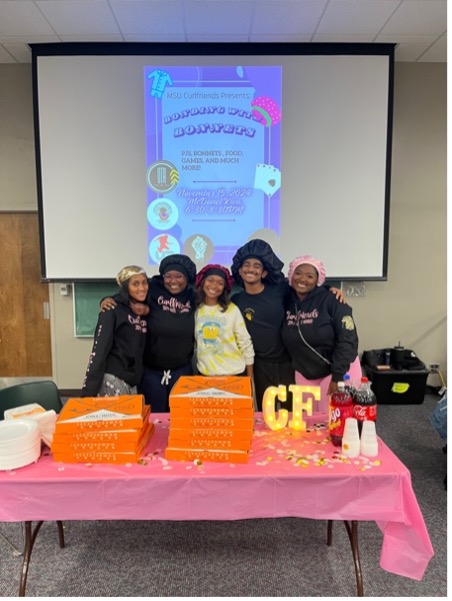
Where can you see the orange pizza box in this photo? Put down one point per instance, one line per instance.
(194, 423)
(207, 401)
(107, 456)
(95, 436)
(215, 455)
(195, 442)
(101, 413)
(192, 411)
(211, 434)
(213, 391)
(69, 443)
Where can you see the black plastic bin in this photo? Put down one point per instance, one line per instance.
(396, 386)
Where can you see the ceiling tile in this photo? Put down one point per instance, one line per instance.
(417, 26)
(223, 17)
(422, 17)
(91, 37)
(410, 51)
(21, 52)
(37, 39)
(287, 16)
(280, 38)
(155, 37)
(6, 57)
(79, 16)
(148, 17)
(356, 16)
(436, 53)
(343, 38)
(205, 38)
(22, 18)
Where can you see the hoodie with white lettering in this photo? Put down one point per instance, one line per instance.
(171, 338)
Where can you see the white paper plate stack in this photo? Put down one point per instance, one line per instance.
(20, 443)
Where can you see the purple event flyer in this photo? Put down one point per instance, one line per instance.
(213, 159)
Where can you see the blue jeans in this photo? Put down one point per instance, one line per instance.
(156, 385)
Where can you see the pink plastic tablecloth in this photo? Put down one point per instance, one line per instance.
(289, 474)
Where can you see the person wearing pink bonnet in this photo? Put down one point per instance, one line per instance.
(319, 332)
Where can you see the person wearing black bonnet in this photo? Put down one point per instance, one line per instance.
(256, 267)
(180, 264)
(258, 270)
(170, 341)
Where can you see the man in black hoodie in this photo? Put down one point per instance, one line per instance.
(256, 267)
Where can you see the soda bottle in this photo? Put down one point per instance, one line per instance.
(340, 407)
(364, 403)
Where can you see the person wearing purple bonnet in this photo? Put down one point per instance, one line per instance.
(223, 345)
(318, 331)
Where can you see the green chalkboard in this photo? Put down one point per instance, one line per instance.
(87, 297)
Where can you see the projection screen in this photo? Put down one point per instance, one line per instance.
(144, 150)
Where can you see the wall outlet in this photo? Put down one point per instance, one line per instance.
(434, 367)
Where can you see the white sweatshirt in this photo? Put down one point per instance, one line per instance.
(224, 347)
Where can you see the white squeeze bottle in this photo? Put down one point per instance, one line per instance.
(348, 384)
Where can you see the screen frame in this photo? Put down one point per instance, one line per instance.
(205, 49)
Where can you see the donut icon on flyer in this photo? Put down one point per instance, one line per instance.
(266, 111)
(161, 246)
(162, 214)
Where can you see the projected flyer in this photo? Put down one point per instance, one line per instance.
(213, 150)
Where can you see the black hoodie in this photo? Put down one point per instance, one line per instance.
(326, 325)
(119, 342)
(170, 341)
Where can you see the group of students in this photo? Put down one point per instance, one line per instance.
(274, 330)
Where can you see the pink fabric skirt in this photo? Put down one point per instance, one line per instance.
(320, 409)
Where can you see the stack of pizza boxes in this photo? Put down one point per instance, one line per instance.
(211, 419)
(102, 430)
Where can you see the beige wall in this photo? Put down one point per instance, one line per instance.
(410, 306)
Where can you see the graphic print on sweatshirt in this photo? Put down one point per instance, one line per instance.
(210, 330)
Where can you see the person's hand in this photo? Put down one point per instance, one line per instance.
(338, 294)
(139, 309)
(107, 304)
(332, 387)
